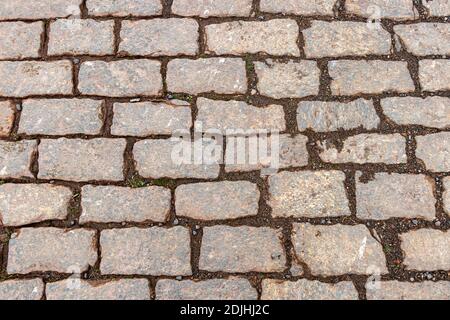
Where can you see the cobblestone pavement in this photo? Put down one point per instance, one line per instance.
(92, 205)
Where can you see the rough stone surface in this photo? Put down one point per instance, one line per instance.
(323, 116)
(273, 37)
(39, 9)
(308, 8)
(446, 195)
(287, 80)
(20, 39)
(219, 75)
(122, 8)
(61, 116)
(22, 204)
(392, 9)
(371, 77)
(366, 148)
(81, 160)
(212, 8)
(159, 37)
(307, 290)
(152, 251)
(6, 118)
(425, 38)
(434, 151)
(31, 289)
(438, 8)
(338, 249)
(395, 195)
(434, 75)
(241, 249)
(51, 249)
(395, 290)
(16, 157)
(308, 194)
(214, 289)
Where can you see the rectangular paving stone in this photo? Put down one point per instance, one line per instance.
(395, 290)
(123, 8)
(212, 8)
(217, 200)
(391, 9)
(434, 151)
(366, 148)
(16, 158)
(308, 8)
(120, 204)
(426, 250)
(147, 118)
(351, 77)
(27, 289)
(159, 37)
(433, 112)
(214, 289)
(434, 75)
(81, 36)
(308, 194)
(51, 249)
(437, 8)
(61, 116)
(81, 160)
(241, 249)
(307, 290)
(25, 78)
(276, 37)
(324, 116)
(287, 79)
(446, 195)
(166, 158)
(152, 251)
(338, 249)
(423, 39)
(122, 289)
(39, 9)
(20, 39)
(6, 118)
(218, 75)
(395, 196)
(122, 78)
(345, 38)
(22, 204)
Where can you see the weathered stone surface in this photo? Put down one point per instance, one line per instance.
(147, 118)
(212, 8)
(395, 195)
(153, 251)
(16, 157)
(122, 8)
(159, 37)
(51, 249)
(39, 9)
(308, 194)
(345, 38)
(31, 289)
(25, 78)
(438, 8)
(434, 75)
(169, 158)
(323, 116)
(309, 8)
(61, 116)
(6, 118)
(425, 38)
(75, 289)
(241, 249)
(338, 249)
(214, 289)
(426, 250)
(307, 290)
(395, 290)
(219, 75)
(123, 78)
(366, 148)
(446, 195)
(22, 204)
(433, 112)
(20, 39)
(273, 37)
(434, 151)
(287, 80)
(351, 77)
(120, 204)
(217, 200)
(81, 36)
(81, 160)
(393, 9)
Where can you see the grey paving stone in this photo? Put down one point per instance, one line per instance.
(20, 39)
(6, 118)
(308, 8)
(395, 290)
(338, 249)
(446, 195)
(61, 116)
(287, 79)
(434, 151)
(16, 157)
(28, 289)
(51, 249)
(423, 39)
(152, 251)
(212, 8)
(392, 9)
(81, 160)
(122, 8)
(241, 249)
(159, 37)
(120, 204)
(438, 8)
(39, 9)
(434, 75)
